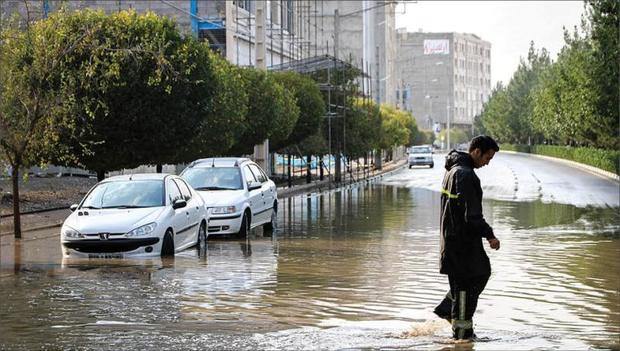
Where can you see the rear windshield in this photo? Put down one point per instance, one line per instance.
(213, 178)
(421, 150)
(126, 194)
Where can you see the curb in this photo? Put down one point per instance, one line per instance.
(590, 169)
(34, 229)
(36, 211)
(329, 185)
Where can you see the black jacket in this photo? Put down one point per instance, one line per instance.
(462, 224)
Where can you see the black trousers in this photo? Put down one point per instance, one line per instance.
(460, 304)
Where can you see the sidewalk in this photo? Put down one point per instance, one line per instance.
(33, 222)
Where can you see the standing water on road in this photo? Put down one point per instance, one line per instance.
(352, 268)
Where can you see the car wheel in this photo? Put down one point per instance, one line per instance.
(245, 225)
(410, 166)
(271, 225)
(167, 247)
(202, 236)
(432, 165)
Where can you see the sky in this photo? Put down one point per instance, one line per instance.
(508, 25)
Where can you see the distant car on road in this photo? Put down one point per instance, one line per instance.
(135, 215)
(238, 194)
(421, 155)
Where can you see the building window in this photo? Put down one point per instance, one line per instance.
(244, 4)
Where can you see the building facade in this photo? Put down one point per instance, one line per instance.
(274, 31)
(442, 77)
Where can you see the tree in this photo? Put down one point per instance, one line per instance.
(604, 20)
(564, 105)
(223, 121)
(272, 112)
(310, 103)
(30, 98)
(137, 86)
(395, 127)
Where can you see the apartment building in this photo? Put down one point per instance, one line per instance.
(441, 76)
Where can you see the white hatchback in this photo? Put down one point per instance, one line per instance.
(135, 215)
(238, 194)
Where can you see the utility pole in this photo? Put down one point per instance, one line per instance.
(448, 118)
(261, 151)
(336, 32)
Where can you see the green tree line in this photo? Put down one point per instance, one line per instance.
(106, 92)
(572, 101)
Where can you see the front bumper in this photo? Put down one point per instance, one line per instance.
(420, 161)
(224, 224)
(112, 247)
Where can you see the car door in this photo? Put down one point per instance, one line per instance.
(255, 197)
(190, 235)
(267, 193)
(180, 219)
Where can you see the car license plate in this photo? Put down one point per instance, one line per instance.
(106, 255)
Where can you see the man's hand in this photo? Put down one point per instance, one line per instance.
(494, 243)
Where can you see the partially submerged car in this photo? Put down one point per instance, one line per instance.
(135, 215)
(421, 155)
(238, 194)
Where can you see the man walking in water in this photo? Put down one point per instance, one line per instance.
(463, 226)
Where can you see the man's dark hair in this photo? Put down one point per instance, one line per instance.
(484, 143)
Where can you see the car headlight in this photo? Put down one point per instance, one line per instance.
(223, 210)
(70, 233)
(143, 230)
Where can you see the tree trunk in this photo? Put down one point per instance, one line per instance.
(320, 165)
(289, 180)
(309, 169)
(100, 175)
(158, 168)
(338, 173)
(17, 225)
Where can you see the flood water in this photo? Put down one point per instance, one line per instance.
(353, 268)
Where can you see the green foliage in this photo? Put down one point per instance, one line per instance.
(424, 137)
(572, 101)
(608, 160)
(457, 136)
(136, 86)
(397, 127)
(310, 103)
(272, 112)
(363, 127)
(603, 17)
(564, 104)
(507, 114)
(224, 121)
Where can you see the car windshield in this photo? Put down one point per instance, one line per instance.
(126, 194)
(213, 178)
(421, 150)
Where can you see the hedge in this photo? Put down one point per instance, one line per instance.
(608, 160)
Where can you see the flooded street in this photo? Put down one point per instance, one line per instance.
(351, 268)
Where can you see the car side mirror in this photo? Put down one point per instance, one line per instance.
(254, 185)
(73, 207)
(179, 203)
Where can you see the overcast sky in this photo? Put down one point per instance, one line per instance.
(508, 25)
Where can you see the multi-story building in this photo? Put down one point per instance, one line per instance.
(364, 33)
(441, 76)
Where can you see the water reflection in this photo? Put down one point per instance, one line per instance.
(349, 268)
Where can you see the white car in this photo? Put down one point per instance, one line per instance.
(135, 215)
(421, 155)
(238, 194)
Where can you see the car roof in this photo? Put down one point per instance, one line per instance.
(219, 162)
(139, 176)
